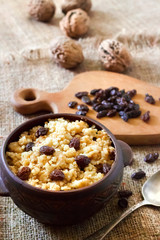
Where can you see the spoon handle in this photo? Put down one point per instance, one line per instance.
(101, 233)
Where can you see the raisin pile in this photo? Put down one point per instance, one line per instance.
(108, 103)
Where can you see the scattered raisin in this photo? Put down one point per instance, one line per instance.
(149, 99)
(83, 107)
(138, 175)
(124, 193)
(146, 116)
(102, 113)
(132, 93)
(86, 100)
(123, 203)
(57, 175)
(94, 91)
(72, 104)
(23, 173)
(98, 107)
(111, 113)
(75, 143)
(81, 94)
(47, 150)
(100, 96)
(107, 105)
(29, 146)
(41, 132)
(151, 157)
(122, 102)
(134, 113)
(83, 113)
(82, 161)
(105, 168)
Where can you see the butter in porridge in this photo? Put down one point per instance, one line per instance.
(61, 155)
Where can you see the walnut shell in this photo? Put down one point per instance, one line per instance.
(75, 24)
(114, 56)
(68, 5)
(66, 52)
(41, 10)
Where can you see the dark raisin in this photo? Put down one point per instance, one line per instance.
(94, 138)
(83, 107)
(111, 113)
(151, 157)
(124, 193)
(132, 93)
(82, 161)
(83, 113)
(94, 91)
(75, 143)
(105, 168)
(112, 99)
(124, 115)
(113, 88)
(138, 175)
(107, 92)
(112, 155)
(113, 92)
(57, 175)
(146, 116)
(81, 94)
(127, 97)
(41, 132)
(86, 100)
(47, 150)
(99, 107)
(121, 93)
(149, 99)
(123, 203)
(118, 108)
(72, 104)
(122, 102)
(29, 146)
(108, 105)
(100, 95)
(95, 106)
(136, 106)
(102, 113)
(134, 113)
(23, 173)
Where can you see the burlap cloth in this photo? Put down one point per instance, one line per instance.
(25, 62)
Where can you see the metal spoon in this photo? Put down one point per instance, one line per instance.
(151, 195)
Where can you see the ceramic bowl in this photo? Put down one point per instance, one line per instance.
(62, 207)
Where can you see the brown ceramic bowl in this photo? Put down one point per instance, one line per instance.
(62, 207)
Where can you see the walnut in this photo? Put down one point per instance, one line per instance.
(75, 24)
(41, 10)
(66, 52)
(68, 5)
(114, 56)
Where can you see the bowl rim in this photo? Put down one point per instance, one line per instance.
(44, 118)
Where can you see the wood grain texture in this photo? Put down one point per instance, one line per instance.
(134, 132)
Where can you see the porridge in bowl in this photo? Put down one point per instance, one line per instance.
(62, 155)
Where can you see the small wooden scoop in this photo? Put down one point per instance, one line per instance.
(134, 132)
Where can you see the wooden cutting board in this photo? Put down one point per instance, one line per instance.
(134, 132)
